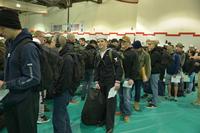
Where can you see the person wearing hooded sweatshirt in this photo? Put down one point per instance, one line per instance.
(21, 75)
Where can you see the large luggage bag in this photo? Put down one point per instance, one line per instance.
(93, 112)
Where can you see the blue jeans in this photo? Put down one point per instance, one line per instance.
(125, 100)
(154, 87)
(61, 120)
(191, 84)
(87, 82)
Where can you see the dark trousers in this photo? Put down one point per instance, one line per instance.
(110, 105)
(138, 86)
(87, 82)
(61, 120)
(22, 117)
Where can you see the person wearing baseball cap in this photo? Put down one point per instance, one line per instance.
(180, 51)
(21, 75)
(145, 71)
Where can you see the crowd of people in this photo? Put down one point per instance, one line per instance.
(120, 64)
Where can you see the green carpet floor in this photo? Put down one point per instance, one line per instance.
(169, 117)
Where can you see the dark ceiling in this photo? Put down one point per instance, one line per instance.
(58, 3)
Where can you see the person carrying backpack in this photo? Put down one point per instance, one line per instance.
(42, 118)
(90, 52)
(62, 88)
(22, 75)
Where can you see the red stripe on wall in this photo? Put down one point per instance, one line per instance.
(134, 33)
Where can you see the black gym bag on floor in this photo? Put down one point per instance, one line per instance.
(93, 112)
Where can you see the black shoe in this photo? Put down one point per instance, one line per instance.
(109, 130)
(149, 100)
(151, 106)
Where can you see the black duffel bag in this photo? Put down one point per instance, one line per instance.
(94, 109)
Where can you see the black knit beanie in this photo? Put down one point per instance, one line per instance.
(10, 19)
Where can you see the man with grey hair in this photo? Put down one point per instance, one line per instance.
(155, 72)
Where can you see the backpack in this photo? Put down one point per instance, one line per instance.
(167, 59)
(2, 56)
(78, 70)
(49, 62)
(110, 54)
(90, 55)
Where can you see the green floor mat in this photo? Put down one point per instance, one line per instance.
(169, 117)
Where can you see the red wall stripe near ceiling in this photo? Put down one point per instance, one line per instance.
(134, 33)
(141, 33)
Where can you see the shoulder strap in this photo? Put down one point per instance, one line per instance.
(121, 64)
(110, 55)
(22, 43)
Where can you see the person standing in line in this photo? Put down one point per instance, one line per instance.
(21, 76)
(108, 74)
(131, 69)
(145, 71)
(197, 64)
(62, 95)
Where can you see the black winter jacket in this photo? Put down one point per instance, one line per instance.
(22, 68)
(65, 79)
(130, 63)
(108, 70)
(155, 61)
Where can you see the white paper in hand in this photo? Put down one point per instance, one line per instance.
(126, 85)
(176, 79)
(3, 93)
(112, 92)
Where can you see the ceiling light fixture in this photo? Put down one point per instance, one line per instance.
(18, 5)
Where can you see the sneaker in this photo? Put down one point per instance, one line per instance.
(151, 106)
(109, 130)
(136, 106)
(169, 98)
(126, 118)
(73, 101)
(43, 119)
(175, 99)
(118, 113)
(149, 100)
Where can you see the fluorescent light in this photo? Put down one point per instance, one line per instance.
(18, 5)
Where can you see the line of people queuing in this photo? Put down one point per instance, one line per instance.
(111, 65)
